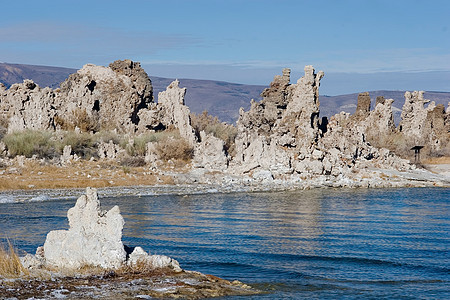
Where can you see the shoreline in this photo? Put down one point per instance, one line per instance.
(138, 182)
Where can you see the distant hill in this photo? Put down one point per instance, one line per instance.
(42, 75)
(221, 99)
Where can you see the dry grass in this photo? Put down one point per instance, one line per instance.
(10, 265)
(178, 149)
(79, 118)
(78, 175)
(437, 160)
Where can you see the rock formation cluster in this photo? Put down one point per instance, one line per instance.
(283, 133)
(94, 98)
(282, 136)
(425, 126)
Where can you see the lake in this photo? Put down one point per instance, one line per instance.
(322, 243)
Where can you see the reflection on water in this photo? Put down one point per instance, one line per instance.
(321, 243)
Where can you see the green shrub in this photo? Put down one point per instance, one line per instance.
(83, 144)
(108, 135)
(29, 143)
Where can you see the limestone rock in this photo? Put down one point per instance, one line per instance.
(94, 237)
(93, 98)
(264, 176)
(111, 96)
(172, 101)
(27, 106)
(210, 154)
(138, 76)
(422, 125)
(414, 115)
(274, 130)
(363, 106)
(379, 100)
(67, 156)
(380, 122)
(141, 259)
(151, 155)
(170, 111)
(109, 150)
(301, 118)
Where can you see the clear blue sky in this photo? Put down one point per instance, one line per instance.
(238, 41)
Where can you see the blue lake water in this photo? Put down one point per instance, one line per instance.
(321, 244)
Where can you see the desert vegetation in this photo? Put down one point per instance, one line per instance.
(10, 265)
(79, 118)
(212, 125)
(49, 145)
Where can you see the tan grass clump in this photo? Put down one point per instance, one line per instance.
(79, 118)
(171, 148)
(10, 265)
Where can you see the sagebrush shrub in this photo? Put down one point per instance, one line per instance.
(132, 161)
(83, 144)
(29, 143)
(172, 148)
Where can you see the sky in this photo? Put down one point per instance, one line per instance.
(370, 43)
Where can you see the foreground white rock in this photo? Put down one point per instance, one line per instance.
(95, 239)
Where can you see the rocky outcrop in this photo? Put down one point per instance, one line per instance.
(170, 111)
(286, 118)
(380, 121)
(109, 150)
(210, 154)
(280, 136)
(111, 96)
(93, 98)
(363, 106)
(27, 106)
(67, 157)
(414, 115)
(283, 134)
(419, 126)
(94, 238)
(118, 97)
